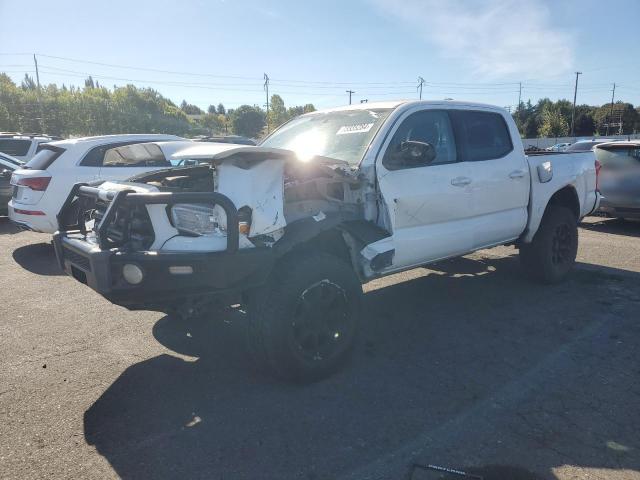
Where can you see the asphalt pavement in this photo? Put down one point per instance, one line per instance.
(465, 365)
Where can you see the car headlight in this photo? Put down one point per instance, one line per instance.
(197, 219)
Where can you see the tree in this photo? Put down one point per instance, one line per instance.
(277, 112)
(190, 109)
(28, 83)
(621, 112)
(212, 123)
(88, 83)
(248, 121)
(553, 123)
(212, 110)
(221, 109)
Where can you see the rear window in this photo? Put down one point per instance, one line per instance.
(483, 135)
(580, 147)
(137, 155)
(44, 158)
(14, 147)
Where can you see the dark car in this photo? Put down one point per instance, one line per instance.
(7, 166)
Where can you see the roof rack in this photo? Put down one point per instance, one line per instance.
(30, 135)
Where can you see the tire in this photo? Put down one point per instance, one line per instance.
(303, 322)
(552, 253)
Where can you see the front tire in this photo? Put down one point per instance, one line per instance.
(303, 322)
(552, 253)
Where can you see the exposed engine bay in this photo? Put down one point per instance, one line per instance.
(270, 193)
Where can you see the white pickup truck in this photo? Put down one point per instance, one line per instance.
(330, 200)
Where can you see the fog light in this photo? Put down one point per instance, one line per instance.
(132, 273)
(180, 269)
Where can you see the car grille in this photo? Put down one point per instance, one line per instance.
(77, 259)
(130, 228)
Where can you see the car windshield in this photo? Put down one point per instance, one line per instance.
(343, 135)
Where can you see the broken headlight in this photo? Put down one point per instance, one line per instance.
(198, 219)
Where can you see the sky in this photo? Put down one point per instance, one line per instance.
(209, 52)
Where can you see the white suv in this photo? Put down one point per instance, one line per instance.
(23, 146)
(42, 185)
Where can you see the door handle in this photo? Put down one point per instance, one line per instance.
(460, 181)
(517, 174)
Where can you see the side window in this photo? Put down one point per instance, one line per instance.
(95, 156)
(481, 135)
(428, 126)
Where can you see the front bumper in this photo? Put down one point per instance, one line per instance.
(213, 273)
(93, 259)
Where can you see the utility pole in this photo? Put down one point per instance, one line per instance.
(420, 83)
(613, 94)
(266, 88)
(519, 97)
(42, 125)
(573, 112)
(35, 61)
(350, 92)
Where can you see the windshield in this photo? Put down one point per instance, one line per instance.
(343, 135)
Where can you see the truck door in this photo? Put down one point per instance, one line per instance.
(499, 175)
(429, 205)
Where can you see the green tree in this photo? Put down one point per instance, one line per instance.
(623, 112)
(28, 83)
(553, 123)
(190, 109)
(221, 109)
(277, 112)
(248, 121)
(212, 110)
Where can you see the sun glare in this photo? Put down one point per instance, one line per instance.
(308, 144)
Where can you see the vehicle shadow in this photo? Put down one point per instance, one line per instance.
(438, 354)
(38, 258)
(6, 227)
(614, 226)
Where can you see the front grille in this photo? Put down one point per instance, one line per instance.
(77, 259)
(131, 227)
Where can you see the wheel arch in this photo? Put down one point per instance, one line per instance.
(566, 196)
(326, 235)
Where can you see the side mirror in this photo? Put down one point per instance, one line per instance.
(416, 154)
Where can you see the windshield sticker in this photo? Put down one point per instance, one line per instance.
(357, 128)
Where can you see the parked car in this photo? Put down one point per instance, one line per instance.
(620, 178)
(46, 180)
(237, 139)
(12, 160)
(586, 145)
(332, 199)
(23, 146)
(7, 168)
(559, 147)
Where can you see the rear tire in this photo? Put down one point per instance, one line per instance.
(303, 322)
(552, 253)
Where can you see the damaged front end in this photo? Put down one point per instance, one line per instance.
(172, 239)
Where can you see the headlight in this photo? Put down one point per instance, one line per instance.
(197, 219)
